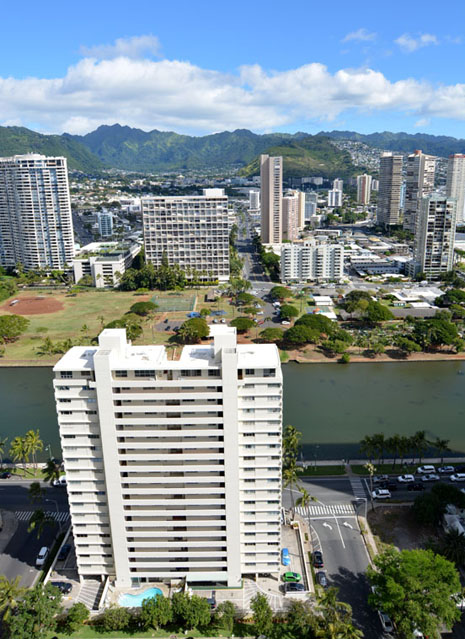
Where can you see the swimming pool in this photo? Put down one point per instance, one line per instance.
(134, 601)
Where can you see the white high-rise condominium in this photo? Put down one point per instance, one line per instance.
(291, 211)
(173, 466)
(310, 261)
(271, 194)
(421, 169)
(36, 227)
(364, 189)
(191, 231)
(390, 183)
(435, 235)
(105, 223)
(334, 198)
(254, 200)
(311, 201)
(455, 186)
(338, 184)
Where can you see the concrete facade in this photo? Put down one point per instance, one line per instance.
(104, 262)
(310, 261)
(434, 236)
(271, 194)
(421, 170)
(455, 186)
(390, 184)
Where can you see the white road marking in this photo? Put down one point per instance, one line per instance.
(326, 525)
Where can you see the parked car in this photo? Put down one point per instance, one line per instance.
(5, 475)
(291, 576)
(430, 477)
(416, 486)
(317, 558)
(381, 493)
(293, 587)
(321, 579)
(285, 323)
(385, 621)
(423, 470)
(42, 556)
(405, 479)
(285, 558)
(445, 470)
(63, 586)
(389, 485)
(64, 552)
(458, 477)
(61, 481)
(377, 479)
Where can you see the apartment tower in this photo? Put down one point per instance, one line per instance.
(291, 215)
(435, 235)
(36, 227)
(191, 231)
(310, 261)
(421, 169)
(271, 179)
(173, 466)
(364, 189)
(455, 186)
(390, 184)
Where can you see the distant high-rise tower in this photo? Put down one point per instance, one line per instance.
(291, 203)
(271, 178)
(390, 183)
(363, 188)
(338, 184)
(434, 236)
(455, 186)
(254, 200)
(105, 223)
(36, 227)
(334, 198)
(420, 182)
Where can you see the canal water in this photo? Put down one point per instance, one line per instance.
(333, 405)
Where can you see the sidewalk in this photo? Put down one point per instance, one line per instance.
(387, 460)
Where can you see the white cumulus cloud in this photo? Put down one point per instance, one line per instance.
(361, 35)
(408, 43)
(134, 47)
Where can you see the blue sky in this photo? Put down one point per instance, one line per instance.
(200, 67)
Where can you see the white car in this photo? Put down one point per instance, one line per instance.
(285, 323)
(445, 470)
(422, 470)
(458, 477)
(405, 479)
(381, 493)
(60, 482)
(42, 556)
(385, 621)
(430, 477)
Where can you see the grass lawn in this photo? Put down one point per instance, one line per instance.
(312, 471)
(386, 469)
(89, 632)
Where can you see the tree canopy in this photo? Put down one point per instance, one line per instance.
(288, 311)
(143, 308)
(242, 324)
(35, 614)
(193, 330)
(280, 293)
(11, 327)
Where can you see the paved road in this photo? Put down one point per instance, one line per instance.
(18, 557)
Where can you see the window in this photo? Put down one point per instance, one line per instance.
(121, 373)
(66, 375)
(213, 373)
(144, 373)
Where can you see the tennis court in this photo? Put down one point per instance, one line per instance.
(174, 302)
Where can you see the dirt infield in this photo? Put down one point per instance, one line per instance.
(37, 305)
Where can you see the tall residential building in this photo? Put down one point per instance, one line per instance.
(435, 235)
(455, 186)
(254, 200)
(36, 227)
(334, 198)
(421, 169)
(311, 201)
(390, 183)
(310, 261)
(291, 211)
(271, 193)
(105, 223)
(364, 188)
(173, 466)
(338, 184)
(192, 231)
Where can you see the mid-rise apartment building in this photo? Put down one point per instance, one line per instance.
(291, 213)
(254, 200)
(105, 262)
(364, 188)
(105, 223)
(173, 466)
(271, 194)
(390, 184)
(434, 236)
(421, 170)
(311, 261)
(338, 184)
(36, 227)
(191, 231)
(334, 198)
(455, 186)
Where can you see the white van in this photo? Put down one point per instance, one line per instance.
(426, 470)
(42, 556)
(61, 481)
(457, 477)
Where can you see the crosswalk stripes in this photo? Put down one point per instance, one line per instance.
(322, 509)
(25, 515)
(357, 487)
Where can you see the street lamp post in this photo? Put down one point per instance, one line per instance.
(49, 448)
(58, 513)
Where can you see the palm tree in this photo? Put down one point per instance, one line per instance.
(404, 447)
(393, 446)
(349, 631)
(36, 493)
(19, 451)
(442, 446)
(39, 521)
(305, 498)
(420, 444)
(2, 449)
(33, 444)
(291, 443)
(380, 444)
(371, 471)
(301, 295)
(333, 611)
(10, 593)
(52, 470)
(367, 447)
(291, 480)
(452, 547)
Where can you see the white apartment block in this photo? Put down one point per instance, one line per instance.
(173, 466)
(192, 231)
(421, 170)
(36, 227)
(434, 236)
(305, 261)
(338, 184)
(455, 186)
(254, 200)
(334, 198)
(104, 262)
(390, 184)
(291, 214)
(271, 194)
(364, 188)
(105, 223)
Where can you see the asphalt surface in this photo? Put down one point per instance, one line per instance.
(19, 555)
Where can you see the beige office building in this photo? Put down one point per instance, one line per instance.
(271, 194)
(455, 186)
(390, 184)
